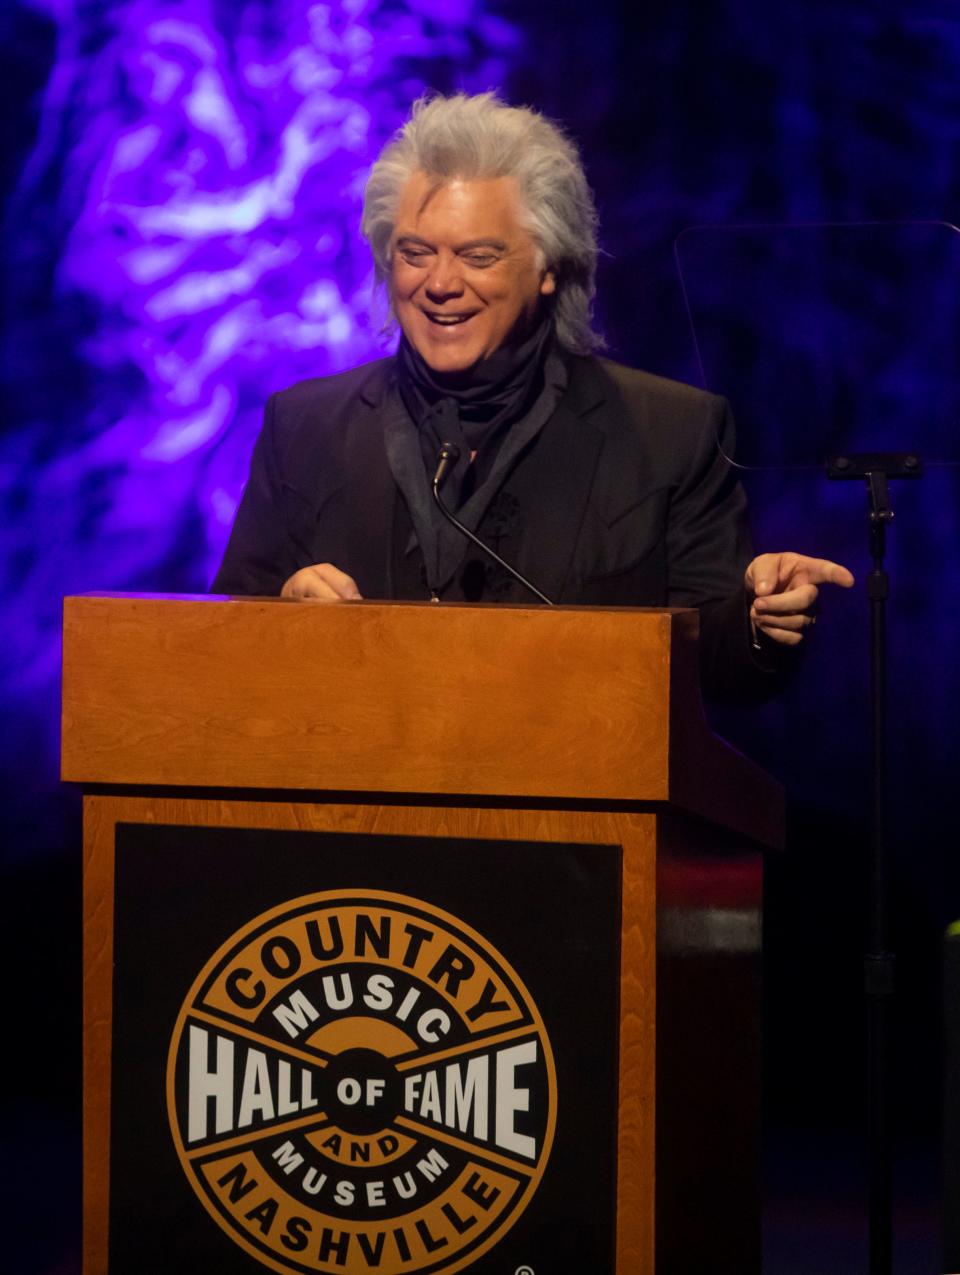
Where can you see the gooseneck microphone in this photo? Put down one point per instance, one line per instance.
(447, 457)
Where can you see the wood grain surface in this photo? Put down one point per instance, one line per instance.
(553, 703)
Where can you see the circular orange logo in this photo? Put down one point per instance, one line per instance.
(358, 1082)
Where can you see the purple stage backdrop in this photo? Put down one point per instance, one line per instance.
(198, 169)
(183, 235)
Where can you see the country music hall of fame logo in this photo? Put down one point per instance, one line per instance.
(357, 1082)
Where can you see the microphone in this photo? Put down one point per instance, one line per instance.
(447, 457)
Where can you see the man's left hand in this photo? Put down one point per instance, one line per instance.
(785, 588)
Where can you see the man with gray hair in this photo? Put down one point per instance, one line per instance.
(602, 485)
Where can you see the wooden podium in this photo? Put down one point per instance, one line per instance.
(532, 797)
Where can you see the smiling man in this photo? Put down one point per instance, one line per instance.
(601, 484)
(466, 276)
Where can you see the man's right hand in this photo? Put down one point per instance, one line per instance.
(322, 580)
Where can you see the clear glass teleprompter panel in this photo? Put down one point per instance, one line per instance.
(829, 339)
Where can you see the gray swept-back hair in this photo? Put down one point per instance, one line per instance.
(480, 137)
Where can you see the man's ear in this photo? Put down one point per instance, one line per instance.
(548, 284)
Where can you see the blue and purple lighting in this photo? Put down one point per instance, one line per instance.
(197, 176)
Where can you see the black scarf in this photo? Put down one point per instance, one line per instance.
(475, 414)
(510, 410)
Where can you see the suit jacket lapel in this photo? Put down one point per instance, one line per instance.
(554, 485)
(369, 526)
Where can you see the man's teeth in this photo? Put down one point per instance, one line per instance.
(448, 320)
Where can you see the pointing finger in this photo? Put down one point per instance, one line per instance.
(822, 571)
(780, 572)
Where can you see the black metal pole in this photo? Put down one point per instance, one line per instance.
(879, 964)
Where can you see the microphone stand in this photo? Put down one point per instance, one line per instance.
(448, 456)
(879, 962)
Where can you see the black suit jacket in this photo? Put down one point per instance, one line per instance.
(627, 501)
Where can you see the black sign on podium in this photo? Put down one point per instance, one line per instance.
(320, 1066)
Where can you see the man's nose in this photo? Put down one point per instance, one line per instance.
(444, 280)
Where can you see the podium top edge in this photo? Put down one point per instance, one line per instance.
(426, 604)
